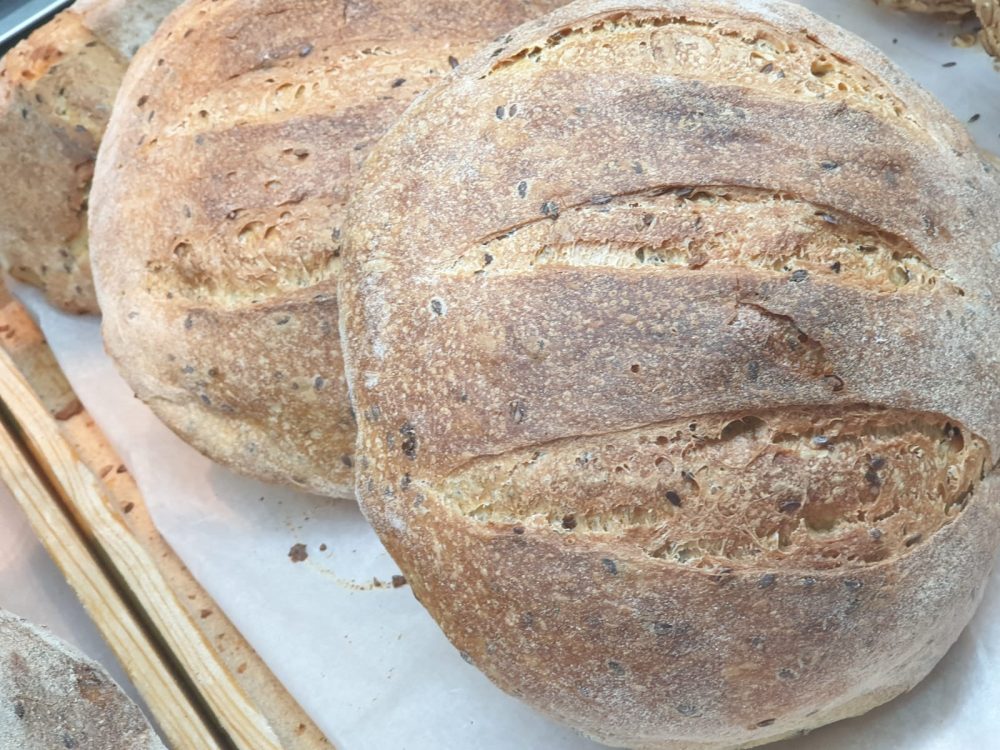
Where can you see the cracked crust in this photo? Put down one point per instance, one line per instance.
(53, 696)
(56, 92)
(670, 329)
(218, 205)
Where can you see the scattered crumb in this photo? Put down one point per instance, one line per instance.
(322, 547)
(298, 553)
(398, 581)
(128, 507)
(964, 41)
(205, 613)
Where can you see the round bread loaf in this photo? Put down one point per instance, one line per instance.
(56, 92)
(51, 696)
(217, 211)
(671, 330)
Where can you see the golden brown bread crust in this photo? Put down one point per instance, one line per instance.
(670, 330)
(56, 92)
(218, 203)
(989, 15)
(53, 696)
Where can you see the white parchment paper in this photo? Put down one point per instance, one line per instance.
(367, 662)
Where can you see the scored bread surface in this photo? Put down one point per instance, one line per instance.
(670, 328)
(217, 212)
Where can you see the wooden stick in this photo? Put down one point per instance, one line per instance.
(247, 684)
(172, 707)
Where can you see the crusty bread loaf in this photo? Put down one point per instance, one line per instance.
(54, 697)
(988, 12)
(958, 7)
(56, 91)
(671, 330)
(217, 205)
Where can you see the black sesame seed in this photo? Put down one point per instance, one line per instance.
(673, 498)
(610, 566)
(550, 209)
(569, 522)
(142, 100)
(852, 584)
(436, 306)
(789, 506)
(800, 275)
(829, 166)
(835, 266)
(767, 580)
(767, 68)
(453, 61)
(19, 709)
(522, 188)
(398, 82)
(616, 668)
(487, 259)
(662, 628)
(518, 411)
(305, 50)
(753, 371)
(409, 444)
(949, 65)
(501, 112)
(974, 118)
(765, 723)
(512, 111)
(808, 581)
(601, 199)
(877, 463)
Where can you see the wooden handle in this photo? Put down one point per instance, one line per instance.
(252, 708)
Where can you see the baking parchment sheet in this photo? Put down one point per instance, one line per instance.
(366, 661)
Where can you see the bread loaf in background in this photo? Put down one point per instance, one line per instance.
(56, 91)
(55, 697)
(217, 211)
(987, 11)
(671, 331)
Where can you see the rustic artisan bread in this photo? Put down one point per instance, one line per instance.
(988, 12)
(217, 211)
(671, 331)
(52, 696)
(56, 91)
